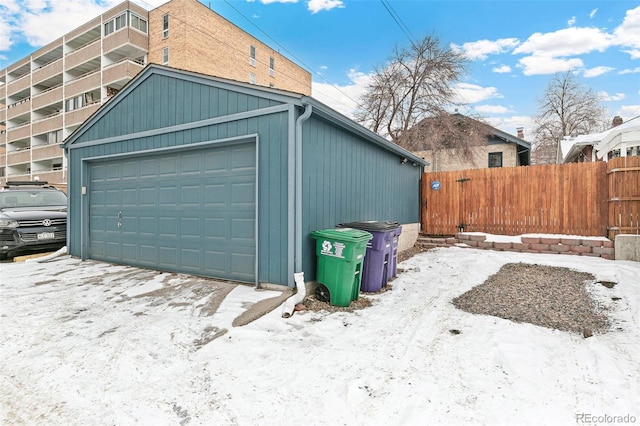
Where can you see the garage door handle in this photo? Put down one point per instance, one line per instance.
(119, 219)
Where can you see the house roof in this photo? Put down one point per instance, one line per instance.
(283, 96)
(497, 133)
(603, 142)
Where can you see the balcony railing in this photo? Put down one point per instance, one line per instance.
(82, 84)
(125, 69)
(47, 97)
(83, 54)
(46, 71)
(47, 124)
(45, 152)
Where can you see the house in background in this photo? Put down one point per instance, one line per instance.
(45, 96)
(189, 173)
(622, 140)
(493, 148)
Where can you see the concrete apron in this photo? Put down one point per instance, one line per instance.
(180, 289)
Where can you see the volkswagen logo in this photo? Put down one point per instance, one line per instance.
(46, 222)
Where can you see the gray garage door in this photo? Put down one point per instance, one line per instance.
(185, 211)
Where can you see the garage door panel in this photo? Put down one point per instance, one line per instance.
(186, 212)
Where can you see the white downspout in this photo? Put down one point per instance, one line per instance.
(298, 276)
(301, 292)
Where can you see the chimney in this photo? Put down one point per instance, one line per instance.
(617, 120)
(520, 131)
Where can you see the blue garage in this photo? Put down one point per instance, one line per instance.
(189, 173)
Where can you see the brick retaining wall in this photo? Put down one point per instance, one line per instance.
(578, 246)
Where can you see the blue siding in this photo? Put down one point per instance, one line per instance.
(346, 179)
(196, 102)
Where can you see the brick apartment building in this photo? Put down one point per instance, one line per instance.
(45, 96)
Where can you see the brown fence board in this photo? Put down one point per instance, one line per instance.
(552, 199)
(624, 196)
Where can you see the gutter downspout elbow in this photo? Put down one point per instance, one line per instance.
(301, 293)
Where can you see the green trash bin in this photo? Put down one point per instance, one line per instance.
(340, 254)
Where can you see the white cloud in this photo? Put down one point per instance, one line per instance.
(343, 99)
(627, 33)
(538, 64)
(634, 53)
(571, 22)
(491, 109)
(42, 21)
(511, 124)
(277, 1)
(502, 69)
(593, 13)
(471, 93)
(316, 6)
(566, 42)
(607, 97)
(629, 111)
(481, 49)
(597, 71)
(630, 71)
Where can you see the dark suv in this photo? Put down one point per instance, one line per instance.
(33, 218)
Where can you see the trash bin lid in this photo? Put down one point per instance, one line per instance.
(343, 234)
(372, 225)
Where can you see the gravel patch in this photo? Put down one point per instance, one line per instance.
(547, 296)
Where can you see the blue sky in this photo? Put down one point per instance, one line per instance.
(514, 47)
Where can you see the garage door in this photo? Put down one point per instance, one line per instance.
(185, 211)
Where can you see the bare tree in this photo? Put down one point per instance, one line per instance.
(566, 109)
(416, 83)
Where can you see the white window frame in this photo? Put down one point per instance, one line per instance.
(120, 21)
(137, 22)
(252, 78)
(272, 66)
(165, 56)
(252, 55)
(109, 27)
(165, 25)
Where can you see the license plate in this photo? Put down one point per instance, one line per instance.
(46, 236)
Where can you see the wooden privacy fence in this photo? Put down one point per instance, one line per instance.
(589, 199)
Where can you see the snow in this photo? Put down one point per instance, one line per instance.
(86, 342)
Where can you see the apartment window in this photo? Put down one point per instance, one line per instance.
(252, 56)
(72, 104)
(252, 78)
(272, 66)
(165, 56)
(165, 25)
(108, 27)
(613, 154)
(54, 137)
(495, 159)
(121, 21)
(138, 23)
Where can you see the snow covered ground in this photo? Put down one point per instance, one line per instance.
(81, 348)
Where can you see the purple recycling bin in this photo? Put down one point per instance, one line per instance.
(378, 265)
(392, 269)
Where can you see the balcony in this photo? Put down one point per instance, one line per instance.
(78, 116)
(18, 157)
(46, 152)
(47, 124)
(48, 97)
(15, 86)
(84, 84)
(3, 91)
(19, 132)
(83, 54)
(19, 108)
(121, 71)
(47, 71)
(53, 176)
(3, 114)
(125, 43)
